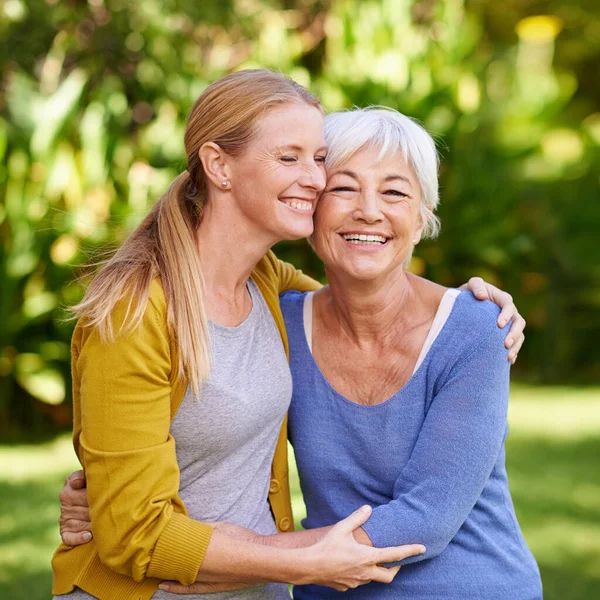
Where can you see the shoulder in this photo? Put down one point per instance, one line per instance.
(473, 325)
(133, 315)
(291, 301)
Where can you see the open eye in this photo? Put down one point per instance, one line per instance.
(320, 159)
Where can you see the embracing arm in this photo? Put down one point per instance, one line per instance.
(291, 278)
(140, 525)
(122, 417)
(454, 455)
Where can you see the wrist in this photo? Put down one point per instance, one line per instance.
(306, 566)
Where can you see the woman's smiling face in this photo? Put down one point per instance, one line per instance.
(367, 219)
(277, 180)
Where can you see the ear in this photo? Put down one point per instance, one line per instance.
(214, 161)
(418, 232)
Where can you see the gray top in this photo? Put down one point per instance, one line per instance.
(226, 471)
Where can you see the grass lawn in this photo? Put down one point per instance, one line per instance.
(553, 464)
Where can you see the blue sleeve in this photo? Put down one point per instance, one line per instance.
(454, 454)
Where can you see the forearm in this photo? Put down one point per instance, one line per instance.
(283, 541)
(294, 539)
(239, 560)
(307, 537)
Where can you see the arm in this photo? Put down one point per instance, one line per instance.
(291, 278)
(139, 523)
(122, 398)
(454, 454)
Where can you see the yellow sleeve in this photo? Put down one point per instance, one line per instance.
(123, 390)
(291, 278)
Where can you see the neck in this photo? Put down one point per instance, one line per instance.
(229, 249)
(370, 312)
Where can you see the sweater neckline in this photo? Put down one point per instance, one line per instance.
(424, 360)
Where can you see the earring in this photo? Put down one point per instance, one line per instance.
(224, 184)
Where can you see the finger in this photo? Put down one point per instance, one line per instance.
(74, 498)
(77, 513)
(353, 521)
(76, 479)
(509, 310)
(76, 539)
(512, 355)
(384, 575)
(393, 570)
(396, 553)
(478, 287)
(75, 525)
(517, 326)
(176, 588)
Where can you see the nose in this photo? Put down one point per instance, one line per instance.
(367, 208)
(313, 177)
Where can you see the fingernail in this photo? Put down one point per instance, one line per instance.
(510, 342)
(87, 536)
(422, 549)
(502, 322)
(165, 586)
(511, 355)
(366, 508)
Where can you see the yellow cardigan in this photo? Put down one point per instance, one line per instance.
(125, 395)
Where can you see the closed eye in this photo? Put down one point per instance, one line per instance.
(396, 193)
(342, 189)
(320, 159)
(288, 159)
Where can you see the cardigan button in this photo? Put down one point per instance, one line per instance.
(274, 486)
(284, 524)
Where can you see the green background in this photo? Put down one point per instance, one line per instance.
(93, 101)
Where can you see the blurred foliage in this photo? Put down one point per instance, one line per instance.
(94, 98)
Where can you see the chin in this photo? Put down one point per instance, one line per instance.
(297, 231)
(362, 272)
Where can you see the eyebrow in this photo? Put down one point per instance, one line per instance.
(401, 177)
(392, 177)
(299, 148)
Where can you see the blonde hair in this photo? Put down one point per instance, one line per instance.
(164, 244)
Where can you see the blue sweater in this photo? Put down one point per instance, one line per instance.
(429, 460)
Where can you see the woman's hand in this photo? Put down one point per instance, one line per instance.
(174, 587)
(75, 521)
(486, 291)
(335, 561)
(340, 562)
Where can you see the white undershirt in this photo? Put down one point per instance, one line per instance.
(441, 316)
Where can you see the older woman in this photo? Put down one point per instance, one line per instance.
(400, 385)
(262, 183)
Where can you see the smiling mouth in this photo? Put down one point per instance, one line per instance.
(298, 205)
(363, 239)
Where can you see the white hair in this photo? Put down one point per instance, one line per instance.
(348, 131)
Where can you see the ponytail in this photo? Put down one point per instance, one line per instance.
(163, 246)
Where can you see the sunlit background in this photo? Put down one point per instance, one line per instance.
(93, 101)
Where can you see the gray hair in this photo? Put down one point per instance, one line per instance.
(349, 131)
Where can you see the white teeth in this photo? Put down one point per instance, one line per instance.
(364, 238)
(299, 205)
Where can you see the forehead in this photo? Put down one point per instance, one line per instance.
(291, 124)
(368, 162)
